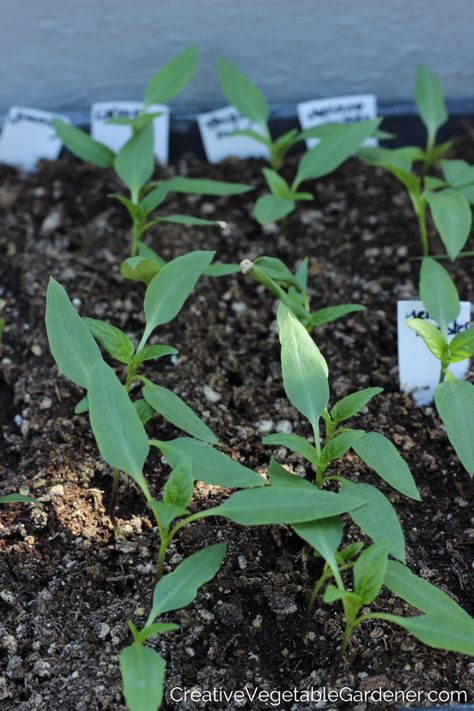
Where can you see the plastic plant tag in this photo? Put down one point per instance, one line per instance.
(116, 136)
(338, 109)
(215, 128)
(28, 136)
(419, 370)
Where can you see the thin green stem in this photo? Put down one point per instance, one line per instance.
(340, 655)
(314, 596)
(113, 500)
(421, 215)
(137, 233)
(164, 542)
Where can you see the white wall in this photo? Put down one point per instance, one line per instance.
(64, 54)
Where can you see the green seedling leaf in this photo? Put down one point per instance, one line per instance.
(167, 512)
(278, 186)
(135, 161)
(281, 477)
(139, 269)
(148, 253)
(369, 571)
(333, 594)
(455, 404)
(19, 499)
(350, 551)
(301, 275)
(333, 150)
(154, 198)
(279, 504)
(82, 406)
(201, 186)
(218, 270)
(377, 518)
(462, 346)
(438, 293)
(294, 443)
(208, 464)
(304, 371)
(277, 270)
(82, 145)
(460, 175)
(155, 352)
(271, 208)
(112, 339)
(430, 101)
(170, 288)
(242, 93)
(453, 218)
(70, 341)
(332, 313)
(186, 220)
(340, 444)
(173, 77)
(421, 594)
(144, 411)
(119, 434)
(152, 630)
(431, 335)
(143, 674)
(172, 408)
(324, 536)
(179, 486)
(431, 183)
(393, 159)
(352, 404)
(441, 632)
(383, 457)
(179, 588)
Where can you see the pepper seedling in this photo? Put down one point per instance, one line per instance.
(292, 290)
(134, 163)
(338, 142)
(454, 398)
(305, 379)
(73, 344)
(143, 668)
(448, 198)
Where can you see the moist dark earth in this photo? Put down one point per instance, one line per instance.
(67, 586)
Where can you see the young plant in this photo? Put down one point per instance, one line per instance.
(447, 198)
(143, 668)
(19, 499)
(134, 163)
(454, 398)
(337, 143)
(116, 420)
(292, 290)
(305, 379)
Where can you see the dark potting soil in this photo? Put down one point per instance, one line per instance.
(67, 587)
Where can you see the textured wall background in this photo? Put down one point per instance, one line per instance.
(64, 54)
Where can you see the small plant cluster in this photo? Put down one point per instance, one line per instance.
(121, 407)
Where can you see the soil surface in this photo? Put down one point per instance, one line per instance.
(67, 586)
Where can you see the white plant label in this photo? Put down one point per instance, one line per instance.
(338, 109)
(215, 128)
(418, 368)
(116, 136)
(27, 136)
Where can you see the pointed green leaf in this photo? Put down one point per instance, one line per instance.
(144, 411)
(242, 93)
(139, 269)
(438, 293)
(304, 371)
(170, 288)
(441, 632)
(218, 270)
(332, 313)
(179, 486)
(70, 341)
(340, 444)
(19, 499)
(431, 335)
(119, 434)
(462, 346)
(271, 208)
(351, 404)
(377, 518)
(369, 571)
(294, 443)
(135, 161)
(82, 406)
(188, 220)
(452, 216)
(383, 457)
(173, 77)
(143, 673)
(172, 408)
(112, 339)
(82, 145)
(279, 476)
(455, 404)
(155, 352)
(430, 101)
(179, 588)
(203, 186)
(278, 186)
(167, 512)
(324, 536)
